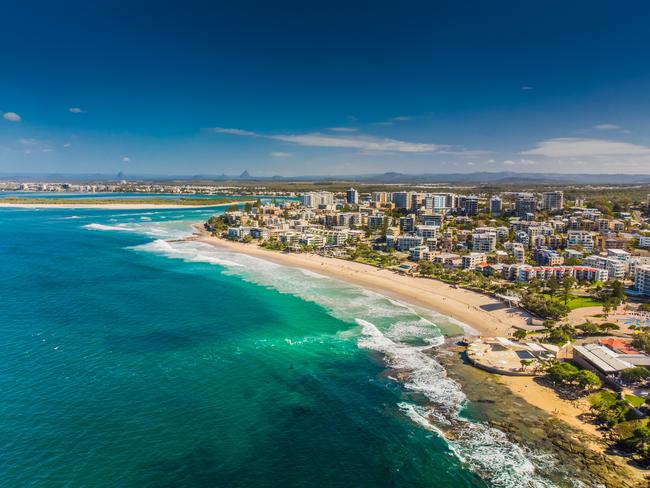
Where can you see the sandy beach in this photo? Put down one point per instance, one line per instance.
(485, 315)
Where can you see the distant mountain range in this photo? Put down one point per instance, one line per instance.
(504, 177)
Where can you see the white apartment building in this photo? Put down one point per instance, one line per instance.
(473, 259)
(484, 242)
(314, 199)
(642, 279)
(427, 231)
(404, 243)
(582, 238)
(644, 242)
(616, 269)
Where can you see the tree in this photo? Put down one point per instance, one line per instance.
(525, 363)
(589, 328)
(641, 341)
(553, 285)
(546, 308)
(567, 284)
(588, 380)
(608, 327)
(635, 374)
(561, 334)
(519, 334)
(563, 372)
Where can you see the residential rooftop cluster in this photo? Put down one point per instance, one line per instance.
(506, 237)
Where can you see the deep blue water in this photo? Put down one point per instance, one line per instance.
(135, 362)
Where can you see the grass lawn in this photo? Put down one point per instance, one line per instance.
(582, 301)
(634, 400)
(577, 301)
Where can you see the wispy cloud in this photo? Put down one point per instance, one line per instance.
(526, 88)
(358, 142)
(28, 141)
(574, 147)
(393, 120)
(235, 132)
(343, 129)
(11, 117)
(76, 110)
(607, 126)
(126, 159)
(280, 154)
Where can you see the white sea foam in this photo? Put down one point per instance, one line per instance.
(484, 449)
(109, 227)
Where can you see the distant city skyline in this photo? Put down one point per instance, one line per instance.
(295, 89)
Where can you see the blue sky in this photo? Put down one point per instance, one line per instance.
(296, 88)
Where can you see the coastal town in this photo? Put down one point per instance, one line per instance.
(578, 273)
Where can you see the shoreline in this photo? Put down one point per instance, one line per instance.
(481, 313)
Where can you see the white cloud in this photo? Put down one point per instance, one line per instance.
(526, 88)
(573, 147)
(364, 143)
(47, 150)
(360, 142)
(76, 110)
(28, 141)
(11, 117)
(607, 126)
(126, 159)
(280, 154)
(67, 145)
(401, 118)
(235, 132)
(343, 129)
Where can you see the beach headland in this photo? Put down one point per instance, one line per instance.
(482, 314)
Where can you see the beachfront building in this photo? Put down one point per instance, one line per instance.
(616, 270)
(600, 359)
(472, 260)
(406, 242)
(526, 273)
(644, 242)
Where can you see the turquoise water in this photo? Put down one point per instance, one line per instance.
(132, 361)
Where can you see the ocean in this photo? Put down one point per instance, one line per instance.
(131, 359)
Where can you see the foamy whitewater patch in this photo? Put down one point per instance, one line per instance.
(484, 449)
